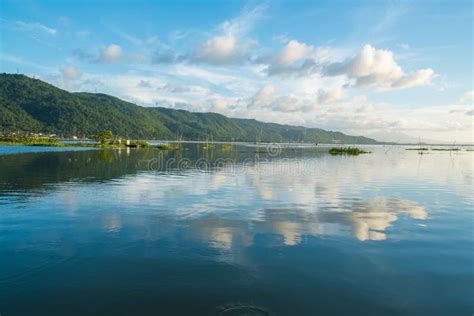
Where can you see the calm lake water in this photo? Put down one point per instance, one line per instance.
(210, 232)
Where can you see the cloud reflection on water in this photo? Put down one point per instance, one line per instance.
(366, 220)
(220, 206)
(363, 197)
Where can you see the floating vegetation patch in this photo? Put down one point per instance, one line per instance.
(352, 151)
(446, 149)
(227, 147)
(138, 144)
(418, 149)
(167, 147)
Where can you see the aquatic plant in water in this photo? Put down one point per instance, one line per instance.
(353, 151)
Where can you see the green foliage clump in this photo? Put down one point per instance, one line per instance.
(227, 147)
(139, 144)
(104, 137)
(352, 151)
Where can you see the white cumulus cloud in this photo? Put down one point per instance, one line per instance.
(221, 50)
(296, 59)
(111, 53)
(292, 52)
(231, 43)
(377, 68)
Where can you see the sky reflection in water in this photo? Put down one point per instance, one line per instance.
(362, 229)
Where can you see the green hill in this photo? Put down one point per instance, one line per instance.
(31, 105)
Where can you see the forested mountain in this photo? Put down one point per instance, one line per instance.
(31, 105)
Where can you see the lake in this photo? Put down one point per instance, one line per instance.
(283, 231)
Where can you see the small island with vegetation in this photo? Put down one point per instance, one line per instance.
(350, 151)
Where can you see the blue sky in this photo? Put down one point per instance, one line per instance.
(381, 68)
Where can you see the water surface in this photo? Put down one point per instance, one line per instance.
(11, 150)
(212, 232)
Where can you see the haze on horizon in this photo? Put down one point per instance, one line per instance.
(390, 70)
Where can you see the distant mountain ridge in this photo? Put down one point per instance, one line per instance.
(32, 105)
(401, 138)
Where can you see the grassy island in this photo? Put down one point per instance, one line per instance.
(419, 149)
(351, 151)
